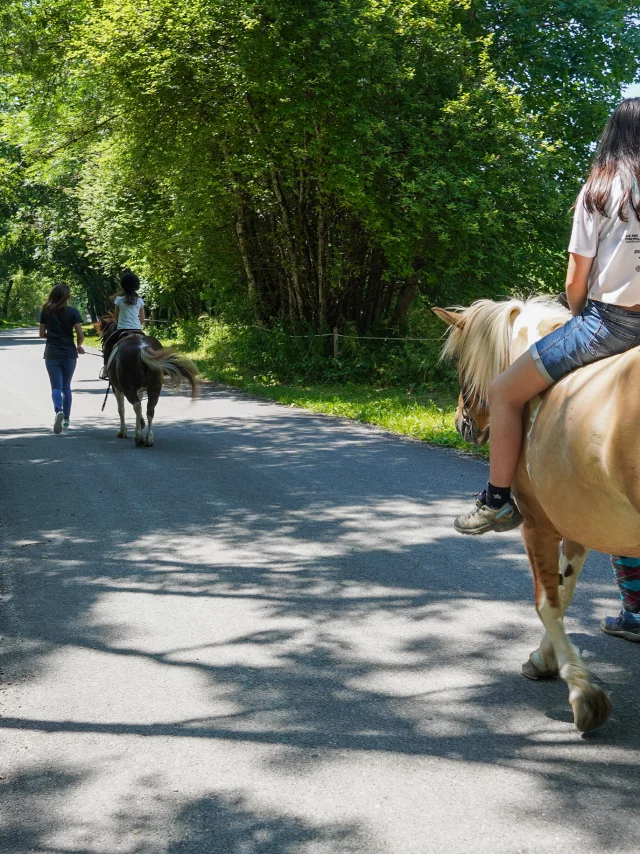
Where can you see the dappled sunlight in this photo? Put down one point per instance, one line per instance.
(273, 600)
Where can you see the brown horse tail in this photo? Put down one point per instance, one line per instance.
(173, 367)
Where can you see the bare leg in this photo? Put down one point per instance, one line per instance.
(122, 432)
(508, 393)
(542, 663)
(591, 706)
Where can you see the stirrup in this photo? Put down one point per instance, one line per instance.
(103, 375)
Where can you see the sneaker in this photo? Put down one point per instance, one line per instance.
(57, 422)
(621, 627)
(103, 375)
(485, 518)
(65, 425)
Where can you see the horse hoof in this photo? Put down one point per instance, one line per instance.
(532, 671)
(139, 443)
(591, 707)
(148, 444)
(121, 435)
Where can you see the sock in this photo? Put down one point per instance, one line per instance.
(627, 574)
(496, 496)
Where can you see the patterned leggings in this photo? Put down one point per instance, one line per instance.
(626, 571)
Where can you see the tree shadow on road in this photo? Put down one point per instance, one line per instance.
(338, 542)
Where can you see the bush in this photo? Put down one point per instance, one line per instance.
(276, 357)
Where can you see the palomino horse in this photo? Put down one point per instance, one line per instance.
(138, 364)
(578, 477)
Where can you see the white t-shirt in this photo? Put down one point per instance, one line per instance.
(615, 247)
(129, 315)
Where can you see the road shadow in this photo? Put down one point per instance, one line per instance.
(340, 539)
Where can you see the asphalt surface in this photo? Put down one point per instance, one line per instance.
(262, 636)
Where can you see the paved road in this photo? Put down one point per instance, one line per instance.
(262, 637)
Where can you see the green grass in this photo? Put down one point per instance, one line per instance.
(15, 324)
(423, 413)
(90, 331)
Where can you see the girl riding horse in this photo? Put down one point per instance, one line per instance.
(128, 316)
(603, 292)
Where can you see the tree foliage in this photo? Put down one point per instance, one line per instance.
(316, 162)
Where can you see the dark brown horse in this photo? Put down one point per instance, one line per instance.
(138, 364)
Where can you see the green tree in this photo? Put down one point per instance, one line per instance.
(318, 162)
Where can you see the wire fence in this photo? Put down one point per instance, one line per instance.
(335, 334)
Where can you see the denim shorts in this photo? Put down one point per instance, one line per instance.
(601, 330)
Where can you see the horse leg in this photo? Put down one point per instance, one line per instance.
(137, 407)
(542, 663)
(152, 399)
(591, 706)
(122, 432)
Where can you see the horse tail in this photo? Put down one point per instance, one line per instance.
(173, 367)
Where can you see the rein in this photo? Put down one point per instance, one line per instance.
(104, 402)
(471, 401)
(469, 397)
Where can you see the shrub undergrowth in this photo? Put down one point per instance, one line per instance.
(398, 385)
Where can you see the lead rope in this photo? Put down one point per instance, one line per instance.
(104, 402)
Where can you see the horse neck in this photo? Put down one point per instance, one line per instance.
(108, 329)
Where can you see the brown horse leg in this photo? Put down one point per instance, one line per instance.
(152, 398)
(591, 706)
(542, 663)
(137, 408)
(122, 432)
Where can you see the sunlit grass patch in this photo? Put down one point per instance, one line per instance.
(15, 324)
(418, 414)
(424, 413)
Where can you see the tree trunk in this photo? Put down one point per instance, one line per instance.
(7, 294)
(241, 233)
(289, 240)
(406, 296)
(322, 253)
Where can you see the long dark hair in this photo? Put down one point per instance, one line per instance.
(617, 155)
(130, 283)
(58, 299)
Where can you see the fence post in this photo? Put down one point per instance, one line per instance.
(335, 342)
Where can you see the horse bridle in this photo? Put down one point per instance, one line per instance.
(469, 397)
(468, 425)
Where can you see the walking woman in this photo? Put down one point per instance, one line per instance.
(603, 292)
(58, 320)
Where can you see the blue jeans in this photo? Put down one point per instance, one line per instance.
(601, 330)
(60, 372)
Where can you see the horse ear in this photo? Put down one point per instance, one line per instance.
(451, 318)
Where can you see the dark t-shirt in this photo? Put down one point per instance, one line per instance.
(59, 326)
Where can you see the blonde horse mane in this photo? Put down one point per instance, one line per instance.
(480, 342)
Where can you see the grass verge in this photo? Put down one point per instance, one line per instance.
(423, 413)
(15, 324)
